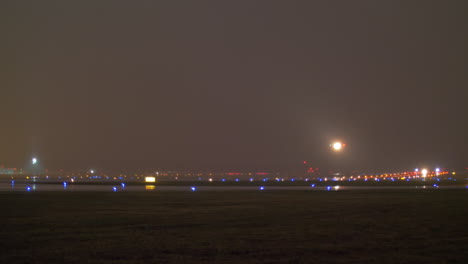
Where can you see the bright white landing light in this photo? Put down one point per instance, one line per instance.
(337, 146)
(424, 172)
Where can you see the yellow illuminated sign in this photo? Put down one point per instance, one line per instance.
(150, 179)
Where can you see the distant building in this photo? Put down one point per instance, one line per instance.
(10, 171)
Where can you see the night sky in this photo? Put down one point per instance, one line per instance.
(233, 84)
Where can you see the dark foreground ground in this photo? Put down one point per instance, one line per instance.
(401, 226)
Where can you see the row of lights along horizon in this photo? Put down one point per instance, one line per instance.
(417, 174)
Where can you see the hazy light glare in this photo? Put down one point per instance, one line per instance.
(337, 146)
(424, 172)
(34, 161)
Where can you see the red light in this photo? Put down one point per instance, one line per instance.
(305, 162)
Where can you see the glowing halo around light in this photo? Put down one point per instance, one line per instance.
(424, 172)
(34, 161)
(337, 146)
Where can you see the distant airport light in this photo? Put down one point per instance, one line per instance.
(114, 189)
(92, 171)
(437, 170)
(262, 188)
(424, 172)
(193, 188)
(150, 179)
(337, 146)
(34, 161)
(416, 170)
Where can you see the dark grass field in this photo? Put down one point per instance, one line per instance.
(235, 227)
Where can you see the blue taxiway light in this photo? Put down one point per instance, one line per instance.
(312, 185)
(114, 189)
(262, 188)
(193, 188)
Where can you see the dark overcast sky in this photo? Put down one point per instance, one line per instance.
(233, 84)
